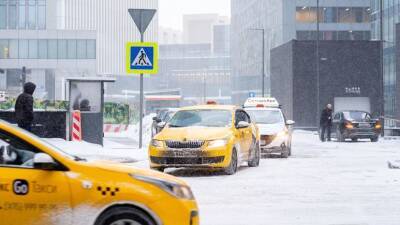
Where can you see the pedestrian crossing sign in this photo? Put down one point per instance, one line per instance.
(142, 58)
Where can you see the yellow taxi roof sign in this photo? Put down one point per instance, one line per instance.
(261, 102)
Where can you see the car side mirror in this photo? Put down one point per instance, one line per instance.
(161, 125)
(290, 122)
(242, 124)
(44, 161)
(156, 119)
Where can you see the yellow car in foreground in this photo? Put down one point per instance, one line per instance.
(210, 136)
(40, 184)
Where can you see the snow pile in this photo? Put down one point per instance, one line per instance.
(133, 130)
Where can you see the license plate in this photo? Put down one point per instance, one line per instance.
(185, 154)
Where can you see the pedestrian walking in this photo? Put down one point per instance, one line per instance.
(24, 107)
(326, 123)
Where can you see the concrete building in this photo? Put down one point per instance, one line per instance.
(283, 21)
(349, 73)
(168, 36)
(391, 13)
(55, 39)
(198, 28)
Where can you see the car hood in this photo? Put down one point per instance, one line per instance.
(127, 169)
(270, 129)
(193, 133)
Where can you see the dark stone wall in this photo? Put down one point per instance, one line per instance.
(397, 101)
(343, 64)
(282, 77)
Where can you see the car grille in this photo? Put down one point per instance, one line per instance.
(186, 161)
(267, 139)
(184, 144)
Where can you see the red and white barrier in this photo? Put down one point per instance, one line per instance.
(76, 126)
(115, 128)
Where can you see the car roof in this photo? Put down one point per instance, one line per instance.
(212, 107)
(262, 109)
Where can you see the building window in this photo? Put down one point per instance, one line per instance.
(23, 49)
(3, 14)
(333, 14)
(52, 49)
(62, 49)
(33, 49)
(13, 49)
(47, 49)
(3, 49)
(42, 51)
(12, 14)
(23, 14)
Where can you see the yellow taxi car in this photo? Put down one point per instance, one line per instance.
(40, 184)
(210, 136)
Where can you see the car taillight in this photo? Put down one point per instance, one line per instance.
(349, 125)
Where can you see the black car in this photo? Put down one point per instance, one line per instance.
(355, 125)
(163, 116)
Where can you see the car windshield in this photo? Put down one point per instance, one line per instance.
(357, 116)
(266, 116)
(202, 118)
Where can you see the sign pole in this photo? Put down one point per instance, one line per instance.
(142, 19)
(141, 102)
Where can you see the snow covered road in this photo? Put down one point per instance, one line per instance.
(323, 183)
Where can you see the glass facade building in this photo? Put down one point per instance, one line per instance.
(391, 16)
(283, 21)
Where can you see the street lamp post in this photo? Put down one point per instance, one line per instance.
(318, 66)
(263, 60)
(382, 63)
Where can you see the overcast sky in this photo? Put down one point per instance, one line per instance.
(171, 11)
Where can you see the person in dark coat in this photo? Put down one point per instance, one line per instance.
(24, 107)
(326, 123)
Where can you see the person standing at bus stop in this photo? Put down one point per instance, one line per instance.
(24, 107)
(326, 123)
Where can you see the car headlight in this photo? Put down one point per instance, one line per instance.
(175, 189)
(157, 143)
(282, 134)
(217, 143)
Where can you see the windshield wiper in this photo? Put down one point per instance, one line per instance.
(174, 125)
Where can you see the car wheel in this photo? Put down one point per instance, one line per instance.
(233, 165)
(339, 136)
(375, 139)
(159, 169)
(124, 216)
(354, 139)
(254, 160)
(285, 152)
(290, 148)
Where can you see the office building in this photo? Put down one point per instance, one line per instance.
(55, 39)
(198, 28)
(281, 21)
(391, 64)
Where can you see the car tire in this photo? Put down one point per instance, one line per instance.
(124, 215)
(354, 139)
(159, 169)
(375, 139)
(339, 136)
(285, 152)
(290, 148)
(233, 165)
(254, 161)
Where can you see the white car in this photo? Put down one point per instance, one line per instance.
(275, 130)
